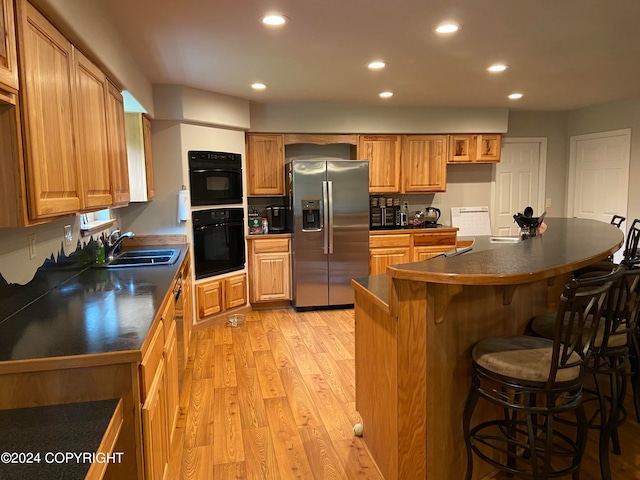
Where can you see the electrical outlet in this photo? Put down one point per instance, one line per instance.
(68, 236)
(547, 203)
(32, 246)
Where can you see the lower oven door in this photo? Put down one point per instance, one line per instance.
(218, 248)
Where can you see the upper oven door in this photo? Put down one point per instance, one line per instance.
(215, 184)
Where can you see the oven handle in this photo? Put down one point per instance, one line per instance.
(218, 225)
(216, 170)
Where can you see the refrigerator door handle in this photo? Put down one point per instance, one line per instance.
(330, 195)
(325, 217)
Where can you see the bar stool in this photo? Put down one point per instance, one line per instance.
(610, 357)
(617, 220)
(534, 380)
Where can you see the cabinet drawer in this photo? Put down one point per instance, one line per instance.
(151, 359)
(377, 241)
(271, 245)
(435, 239)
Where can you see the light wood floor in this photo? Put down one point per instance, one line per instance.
(275, 399)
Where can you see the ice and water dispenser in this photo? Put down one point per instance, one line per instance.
(311, 214)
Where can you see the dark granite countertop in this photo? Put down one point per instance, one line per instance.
(567, 245)
(95, 310)
(41, 433)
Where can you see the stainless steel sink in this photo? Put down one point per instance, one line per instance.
(142, 258)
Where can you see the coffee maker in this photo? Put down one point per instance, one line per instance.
(277, 218)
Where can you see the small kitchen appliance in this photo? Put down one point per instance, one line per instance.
(431, 216)
(276, 216)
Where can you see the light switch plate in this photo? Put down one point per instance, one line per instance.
(547, 203)
(68, 236)
(32, 246)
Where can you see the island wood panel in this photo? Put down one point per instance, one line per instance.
(71, 385)
(376, 379)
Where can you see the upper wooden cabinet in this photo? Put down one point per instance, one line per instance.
(90, 115)
(265, 164)
(422, 157)
(46, 56)
(383, 153)
(140, 157)
(61, 144)
(424, 163)
(483, 148)
(117, 144)
(8, 55)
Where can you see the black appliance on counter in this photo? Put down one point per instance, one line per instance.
(218, 240)
(277, 218)
(384, 217)
(215, 178)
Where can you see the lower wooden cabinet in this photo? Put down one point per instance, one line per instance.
(155, 434)
(219, 294)
(172, 391)
(388, 249)
(269, 269)
(405, 247)
(159, 392)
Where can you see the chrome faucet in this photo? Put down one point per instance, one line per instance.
(113, 242)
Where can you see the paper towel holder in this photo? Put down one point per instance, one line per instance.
(183, 204)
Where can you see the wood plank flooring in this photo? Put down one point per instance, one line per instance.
(275, 399)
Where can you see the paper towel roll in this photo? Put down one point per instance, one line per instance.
(183, 206)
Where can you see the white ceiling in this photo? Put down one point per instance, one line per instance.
(563, 54)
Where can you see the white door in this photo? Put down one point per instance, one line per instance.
(599, 176)
(518, 182)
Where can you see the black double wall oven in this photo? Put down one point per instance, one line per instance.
(218, 233)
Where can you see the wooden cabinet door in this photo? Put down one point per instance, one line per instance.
(425, 253)
(148, 157)
(53, 179)
(488, 148)
(235, 291)
(380, 258)
(171, 383)
(461, 148)
(209, 298)
(8, 55)
(383, 153)
(90, 115)
(424, 163)
(117, 144)
(154, 428)
(271, 277)
(265, 165)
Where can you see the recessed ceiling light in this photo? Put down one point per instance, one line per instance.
(258, 86)
(447, 28)
(377, 65)
(498, 67)
(386, 94)
(515, 96)
(274, 20)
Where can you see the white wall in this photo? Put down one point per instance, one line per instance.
(339, 118)
(552, 126)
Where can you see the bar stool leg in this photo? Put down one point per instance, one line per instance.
(581, 437)
(605, 429)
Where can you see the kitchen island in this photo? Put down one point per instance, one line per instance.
(416, 328)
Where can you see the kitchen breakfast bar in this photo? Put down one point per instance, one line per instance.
(416, 326)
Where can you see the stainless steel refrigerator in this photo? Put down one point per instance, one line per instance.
(329, 212)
